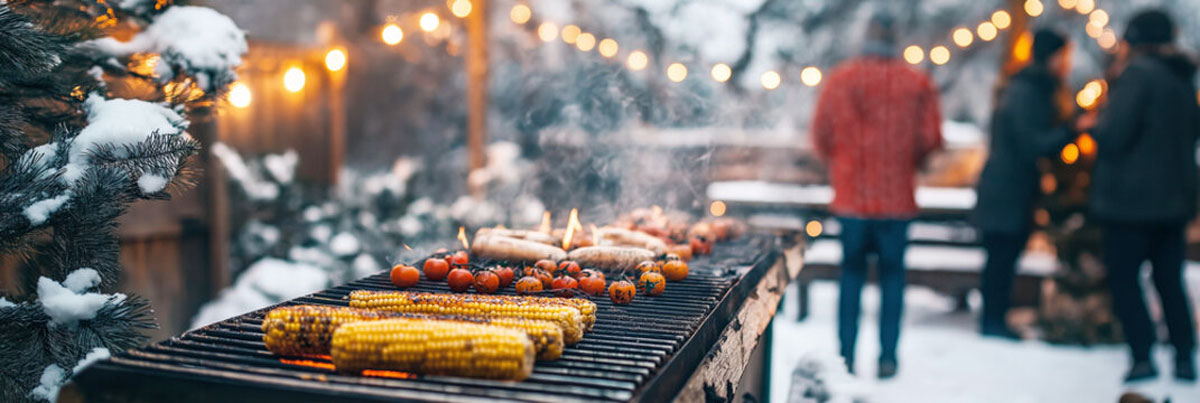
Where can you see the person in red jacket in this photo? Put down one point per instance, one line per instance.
(876, 121)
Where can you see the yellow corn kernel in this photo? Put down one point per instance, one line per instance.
(433, 347)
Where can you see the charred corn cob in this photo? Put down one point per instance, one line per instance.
(489, 306)
(433, 347)
(586, 308)
(308, 329)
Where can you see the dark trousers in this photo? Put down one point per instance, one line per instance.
(1003, 250)
(887, 240)
(1126, 246)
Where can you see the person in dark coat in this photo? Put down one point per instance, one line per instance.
(1144, 188)
(1028, 123)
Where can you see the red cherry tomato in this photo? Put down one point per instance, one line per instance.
(460, 280)
(405, 276)
(529, 285)
(565, 285)
(547, 266)
(486, 282)
(459, 259)
(570, 268)
(592, 285)
(506, 275)
(436, 269)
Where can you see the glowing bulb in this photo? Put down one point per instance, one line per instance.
(570, 33)
(608, 47)
(813, 228)
(335, 60)
(810, 76)
(637, 60)
(429, 22)
(1098, 17)
(963, 37)
(1067, 4)
(1085, 6)
(1022, 50)
(1070, 154)
(1001, 19)
(1107, 39)
(1087, 144)
(676, 72)
(914, 54)
(239, 95)
(547, 31)
(939, 55)
(986, 31)
(293, 79)
(770, 79)
(585, 42)
(717, 208)
(392, 34)
(520, 14)
(721, 72)
(1034, 7)
(1093, 30)
(460, 8)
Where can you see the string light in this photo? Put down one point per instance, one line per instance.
(986, 31)
(1093, 30)
(392, 34)
(939, 55)
(1001, 19)
(1107, 39)
(520, 14)
(1067, 4)
(461, 8)
(721, 72)
(914, 54)
(1085, 6)
(570, 33)
(963, 37)
(1098, 17)
(429, 21)
(717, 208)
(1034, 8)
(637, 60)
(1070, 154)
(293, 79)
(335, 60)
(547, 31)
(810, 76)
(585, 42)
(608, 47)
(813, 228)
(239, 95)
(1087, 144)
(1089, 94)
(677, 72)
(1023, 49)
(770, 80)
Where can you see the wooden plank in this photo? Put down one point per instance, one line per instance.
(724, 365)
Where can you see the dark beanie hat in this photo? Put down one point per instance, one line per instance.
(1045, 43)
(1150, 27)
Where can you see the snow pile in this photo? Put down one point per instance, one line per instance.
(256, 188)
(266, 282)
(344, 244)
(282, 166)
(68, 303)
(196, 40)
(152, 183)
(97, 354)
(52, 379)
(40, 211)
(118, 123)
(5, 303)
(365, 265)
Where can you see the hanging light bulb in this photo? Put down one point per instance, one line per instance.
(392, 34)
(239, 95)
(986, 31)
(721, 72)
(429, 21)
(548, 31)
(520, 14)
(1001, 19)
(335, 60)
(939, 55)
(677, 72)
(810, 76)
(608, 47)
(770, 80)
(914, 54)
(293, 79)
(637, 60)
(963, 37)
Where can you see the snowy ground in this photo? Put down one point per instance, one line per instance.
(942, 359)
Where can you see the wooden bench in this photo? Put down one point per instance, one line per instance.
(952, 270)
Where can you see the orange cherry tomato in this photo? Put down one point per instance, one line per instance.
(405, 276)
(675, 270)
(529, 285)
(547, 266)
(436, 269)
(486, 282)
(506, 275)
(648, 267)
(621, 292)
(570, 268)
(652, 283)
(460, 280)
(592, 285)
(459, 259)
(566, 285)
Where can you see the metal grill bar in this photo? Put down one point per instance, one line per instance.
(642, 351)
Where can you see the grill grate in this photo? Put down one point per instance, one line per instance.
(623, 358)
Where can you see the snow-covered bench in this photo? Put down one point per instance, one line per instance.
(934, 202)
(953, 270)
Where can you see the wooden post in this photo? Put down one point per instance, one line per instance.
(477, 84)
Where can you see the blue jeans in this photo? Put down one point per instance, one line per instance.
(887, 240)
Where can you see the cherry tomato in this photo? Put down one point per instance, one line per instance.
(547, 266)
(652, 283)
(621, 292)
(486, 282)
(460, 280)
(506, 275)
(675, 270)
(436, 269)
(405, 276)
(570, 268)
(565, 285)
(700, 246)
(648, 267)
(592, 285)
(528, 285)
(592, 273)
(459, 259)
(540, 275)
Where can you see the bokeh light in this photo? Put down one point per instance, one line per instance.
(548, 31)
(939, 55)
(1085, 6)
(770, 79)
(586, 42)
(986, 31)
(1068, 4)
(914, 54)
(1070, 154)
(813, 228)
(1107, 39)
(637, 60)
(239, 95)
(520, 14)
(293, 79)
(429, 21)
(570, 33)
(608, 47)
(717, 208)
(810, 76)
(460, 8)
(1001, 19)
(677, 72)
(1087, 144)
(721, 72)
(1098, 17)
(392, 34)
(1034, 8)
(963, 37)
(335, 60)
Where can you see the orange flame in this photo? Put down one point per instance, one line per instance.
(387, 374)
(595, 234)
(308, 363)
(545, 228)
(572, 223)
(462, 236)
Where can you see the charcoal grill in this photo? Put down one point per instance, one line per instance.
(645, 351)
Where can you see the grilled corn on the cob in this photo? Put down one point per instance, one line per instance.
(433, 347)
(308, 329)
(489, 306)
